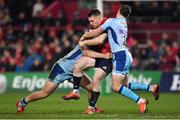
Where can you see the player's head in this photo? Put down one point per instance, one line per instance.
(125, 10)
(94, 18)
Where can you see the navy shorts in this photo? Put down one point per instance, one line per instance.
(104, 64)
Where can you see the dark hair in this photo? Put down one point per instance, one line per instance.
(94, 12)
(125, 10)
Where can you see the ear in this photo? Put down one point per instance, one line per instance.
(118, 12)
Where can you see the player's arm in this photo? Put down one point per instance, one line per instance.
(94, 54)
(94, 41)
(93, 33)
(98, 31)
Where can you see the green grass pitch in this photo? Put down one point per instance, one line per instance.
(115, 106)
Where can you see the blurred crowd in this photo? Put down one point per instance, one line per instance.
(162, 54)
(30, 42)
(154, 11)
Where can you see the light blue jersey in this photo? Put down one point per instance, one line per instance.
(117, 33)
(63, 68)
(67, 62)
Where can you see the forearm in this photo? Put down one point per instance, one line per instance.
(93, 33)
(95, 41)
(90, 34)
(93, 54)
(91, 42)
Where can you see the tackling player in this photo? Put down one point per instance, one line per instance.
(122, 59)
(61, 71)
(103, 66)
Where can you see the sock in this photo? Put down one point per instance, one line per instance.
(76, 83)
(128, 93)
(150, 88)
(138, 86)
(23, 102)
(140, 101)
(94, 98)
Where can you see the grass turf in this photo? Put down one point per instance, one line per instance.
(115, 106)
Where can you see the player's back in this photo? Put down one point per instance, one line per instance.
(67, 62)
(117, 33)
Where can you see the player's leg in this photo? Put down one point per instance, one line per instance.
(87, 85)
(82, 64)
(103, 68)
(98, 76)
(117, 85)
(56, 76)
(145, 87)
(122, 62)
(47, 90)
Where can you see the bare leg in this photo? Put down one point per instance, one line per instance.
(87, 85)
(80, 65)
(98, 76)
(47, 90)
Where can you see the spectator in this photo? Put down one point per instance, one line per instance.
(37, 8)
(164, 40)
(36, 66)
(61, 19)
(78, 23)
(49, 21)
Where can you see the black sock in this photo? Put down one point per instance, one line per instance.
(76, 82)
(23, 102)
(94, 98)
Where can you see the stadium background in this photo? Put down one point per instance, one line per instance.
(36, 33)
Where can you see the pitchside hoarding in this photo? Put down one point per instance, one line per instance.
(28, 82)
(170, 82)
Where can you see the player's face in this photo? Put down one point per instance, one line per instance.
(95, 21)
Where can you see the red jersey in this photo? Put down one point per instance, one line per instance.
(105, 47)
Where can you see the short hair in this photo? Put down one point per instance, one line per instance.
(125, 10)
(94, 12)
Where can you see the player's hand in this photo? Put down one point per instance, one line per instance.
(108, 55)
(82, 39)
(81, 43)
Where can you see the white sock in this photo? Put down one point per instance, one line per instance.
(140, 100)
(150, 88)
(91, 107)
(75, 90)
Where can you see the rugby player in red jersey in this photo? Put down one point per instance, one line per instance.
(103, 66)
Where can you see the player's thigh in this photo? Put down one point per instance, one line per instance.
(49, 87)
(56, 76)
(84, 62)
(125, 82)
(117, 81)
(122, 62)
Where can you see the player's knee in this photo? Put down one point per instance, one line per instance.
(76, 67)
(96, 83)
(116, 87)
